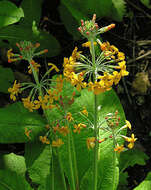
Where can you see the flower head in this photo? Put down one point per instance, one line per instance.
(14, 90)
(131, 141)
(118, 148)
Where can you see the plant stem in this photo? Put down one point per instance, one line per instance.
(52, 171)
(75, 163)
(96, 148)
(70, 162)
(62, 172)
(114, 161)
(96, 129)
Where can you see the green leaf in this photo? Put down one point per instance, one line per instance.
(10, 180)
(69, 22)
(146, 3)
(32, 11)
(146, 184)
(13, 121)
(9, 13)
(118, 10)
(81, 9)
(109, 102)
(19, 33)
(54, 179)
(37, 158)
(13, 162)
(6, 78)
(132, 157)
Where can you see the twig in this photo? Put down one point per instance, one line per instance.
(140, 57)
(138, 8)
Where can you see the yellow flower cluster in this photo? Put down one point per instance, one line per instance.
(69, 70)
(44, 103)
(14, 90)
(74, 71)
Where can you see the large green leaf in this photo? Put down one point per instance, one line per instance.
(77, 10)
(6, 78)
(81, 9)
(146, 184)
(108, 172)
(54, 179)
(13, 162)
(10, 180)
(109, 102)
(69, 21)
(9, 13)
(13, 121)
(37, 158)
(19, 33)
(32, 11)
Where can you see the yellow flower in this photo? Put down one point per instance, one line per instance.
(122, 66)
(53, 67)
(75, 54)
(27, 133)
(84, 111)
(128, 124)
(131, 141)
(14, 90)
(69, 117)
(88, 44)
(57, 143)
(90, 142)
(78, 128)
(121, 56)
(116, 77)
(43, 102)
(77, 80)
(64, 130)
(28, 104)
(10, 56)
(119, 148)
(44, 140)
(35, 66)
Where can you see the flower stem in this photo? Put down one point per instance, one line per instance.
(75, 163)
(70, 162)
(96, 129)
(62, 172)
(114, 162)
(96, 148)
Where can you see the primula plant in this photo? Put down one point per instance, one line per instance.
(81, 134)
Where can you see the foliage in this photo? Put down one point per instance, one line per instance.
(27, 28)
(76, 10)
(127, 159)
(6, 78)
(12, 128)
(146, 184)
(73, 136)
